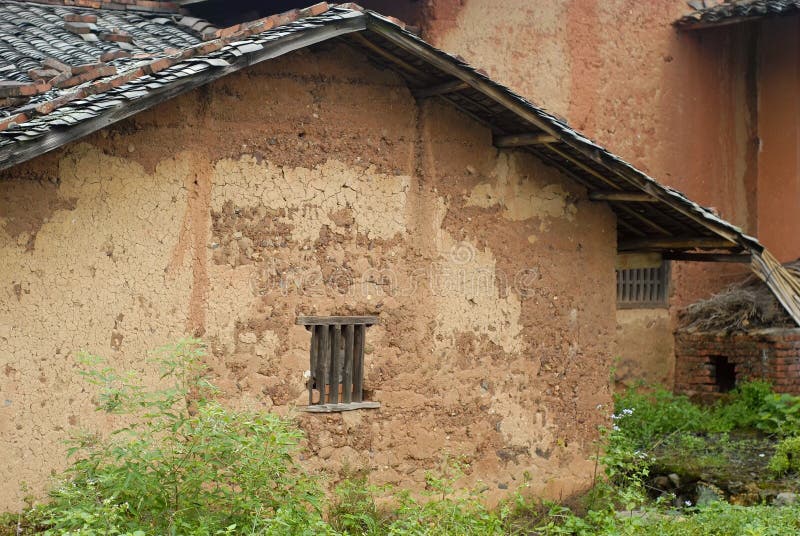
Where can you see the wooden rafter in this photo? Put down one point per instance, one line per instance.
(642, 218)
(618, 197)
(708, 257)
(390, 57)
(441, 89)
(695, 242)
(523, 140)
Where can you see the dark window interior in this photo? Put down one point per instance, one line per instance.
(724, 373)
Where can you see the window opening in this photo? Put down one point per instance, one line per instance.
(336, 372)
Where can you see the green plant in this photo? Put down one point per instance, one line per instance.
(787, 457)
(185, 465)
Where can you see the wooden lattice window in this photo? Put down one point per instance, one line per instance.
(336, 380)
(643, 287)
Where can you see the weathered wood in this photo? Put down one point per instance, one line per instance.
(523, 140)
(591, 171)
(15, 153)
(628, 261)
(324, 361)
(440, 89)
(708, 257)
(642, 218)
(423, 76)
(358, 362)
(333, 408)
(336, 363)
(649, 244)
(313, 364)
(637, 197)
(336, 320)
(347, 367)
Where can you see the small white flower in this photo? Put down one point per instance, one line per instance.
(687, 503)
(761, 455)
(615, 428)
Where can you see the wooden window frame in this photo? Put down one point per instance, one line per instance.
(644, 288)
(337, 362)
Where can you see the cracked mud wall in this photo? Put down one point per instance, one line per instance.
(680, 106)
(227, 212)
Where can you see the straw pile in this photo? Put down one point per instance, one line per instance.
(749, 304)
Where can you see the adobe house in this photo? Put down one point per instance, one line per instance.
(162, 177)
(706, 105)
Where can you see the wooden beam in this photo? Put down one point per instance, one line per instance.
(444, 63)
(522, 140)
(650, 244)
(642, 218)
(627, 261)
(441, 89)
(391, 57)
(334, 408)
(708, 257)
(15, 153)
(581, 165)
(336, 320)
(637, 197)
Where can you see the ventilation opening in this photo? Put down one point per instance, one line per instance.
(724, 373)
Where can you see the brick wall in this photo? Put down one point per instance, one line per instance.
(702, 357)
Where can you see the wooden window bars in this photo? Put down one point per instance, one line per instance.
(336, 381)
(643, 287)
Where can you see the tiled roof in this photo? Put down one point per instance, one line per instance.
(714, 13)
(166, 58)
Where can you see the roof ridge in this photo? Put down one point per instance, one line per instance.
(149, 6)
(102, 77)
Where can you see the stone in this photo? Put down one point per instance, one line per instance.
(675, 479)
(785, 498)
(707, 494)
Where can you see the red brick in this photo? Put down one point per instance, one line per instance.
(12, 120)
(23, 89)
(80, 17)
(78, 27)
(85, 68)
(52, 63)
(109, 56)
(285, 17)
(159, 65)
(43, 74)
(229, 31)
(316, 9)
(116, 37)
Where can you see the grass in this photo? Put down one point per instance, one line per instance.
(200, 469)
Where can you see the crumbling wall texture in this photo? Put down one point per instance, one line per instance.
(771, 354)
(711, 113)
(315, 184)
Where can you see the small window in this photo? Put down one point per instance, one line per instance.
(643, 287)
(336, 380)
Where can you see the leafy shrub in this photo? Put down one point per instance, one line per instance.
(645, 418)
(787, 457)
(185, 465)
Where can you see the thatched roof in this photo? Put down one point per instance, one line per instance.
(747, 305)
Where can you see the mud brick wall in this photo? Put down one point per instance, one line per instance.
(772, 355)
(271, 193)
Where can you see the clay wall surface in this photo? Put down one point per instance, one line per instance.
(772, 355)
(278, 191)
(680, 106)
(779, 134)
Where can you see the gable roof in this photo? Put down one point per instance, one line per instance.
(710, 13)
(650, 216)
(38, 115)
